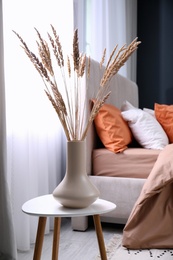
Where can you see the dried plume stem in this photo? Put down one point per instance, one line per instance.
(122, 56)
(97, 105)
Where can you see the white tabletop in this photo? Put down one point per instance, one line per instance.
(47, 205)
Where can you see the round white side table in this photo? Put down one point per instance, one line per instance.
(46, 206)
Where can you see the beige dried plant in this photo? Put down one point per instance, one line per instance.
(67, 104)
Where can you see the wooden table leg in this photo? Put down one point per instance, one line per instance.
(100, 238)
(56, 238)
(39, 238)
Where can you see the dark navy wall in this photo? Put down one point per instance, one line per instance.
(155, 54)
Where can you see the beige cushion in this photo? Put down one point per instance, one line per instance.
(132, 163)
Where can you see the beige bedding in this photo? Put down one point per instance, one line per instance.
(132, 163)
(150, 224)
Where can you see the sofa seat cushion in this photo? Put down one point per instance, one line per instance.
(131, 163)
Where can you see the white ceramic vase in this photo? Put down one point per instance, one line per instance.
(76, 189)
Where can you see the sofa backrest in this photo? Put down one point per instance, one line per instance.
(121, 89)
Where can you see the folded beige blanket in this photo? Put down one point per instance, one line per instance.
(150, 224)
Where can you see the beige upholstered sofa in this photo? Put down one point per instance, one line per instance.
(123, 191)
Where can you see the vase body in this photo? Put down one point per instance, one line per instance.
(76, 189)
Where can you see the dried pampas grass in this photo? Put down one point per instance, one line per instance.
(68, 104)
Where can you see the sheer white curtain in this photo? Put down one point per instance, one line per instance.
(107, 23)
(7, 242)
(34, 134)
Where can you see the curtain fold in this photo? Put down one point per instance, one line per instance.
(8, 249)
(35, 141)
(107, 23)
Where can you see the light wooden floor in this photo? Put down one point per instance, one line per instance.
(74, 245)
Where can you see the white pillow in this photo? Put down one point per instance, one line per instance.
(145, 128)
(126, 106)
(150, 111)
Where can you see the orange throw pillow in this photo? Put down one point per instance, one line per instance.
(164, 115)
(112, 129)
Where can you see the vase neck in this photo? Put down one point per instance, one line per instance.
(76, 156)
